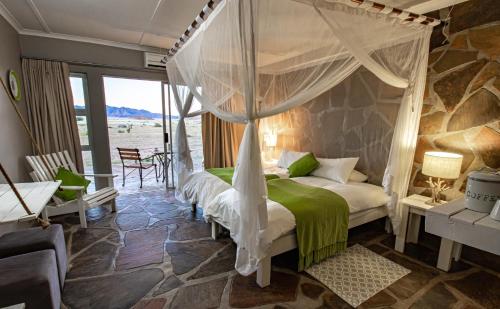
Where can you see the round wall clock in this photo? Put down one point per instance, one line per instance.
(15, 85)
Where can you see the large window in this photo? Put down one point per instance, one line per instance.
(80, 98)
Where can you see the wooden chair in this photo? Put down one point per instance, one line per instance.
(133, 154)
(83, 200)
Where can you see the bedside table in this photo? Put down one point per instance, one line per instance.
(414, 207)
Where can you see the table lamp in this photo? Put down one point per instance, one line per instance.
(440, 165)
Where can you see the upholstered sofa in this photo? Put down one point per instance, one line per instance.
(33, 265)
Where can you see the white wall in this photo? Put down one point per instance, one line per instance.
(14, 142)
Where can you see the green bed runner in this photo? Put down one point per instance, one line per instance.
(321, 218)
(226, 174)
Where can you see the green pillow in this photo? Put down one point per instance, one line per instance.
(69, 178)
(303, 166)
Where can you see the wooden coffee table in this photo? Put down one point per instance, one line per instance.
(36, 196)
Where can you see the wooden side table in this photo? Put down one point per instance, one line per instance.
(414, 207)
(457, 225)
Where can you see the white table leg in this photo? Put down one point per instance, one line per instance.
(445, 254)
(457, 251)
(400, 238)
(413, 228)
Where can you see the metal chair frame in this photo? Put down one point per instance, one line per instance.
(133, 154)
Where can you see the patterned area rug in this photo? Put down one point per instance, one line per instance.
(357, 274)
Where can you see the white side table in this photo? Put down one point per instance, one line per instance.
(414, 207)
(457, 225)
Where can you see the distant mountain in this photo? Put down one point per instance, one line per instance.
(126, 112)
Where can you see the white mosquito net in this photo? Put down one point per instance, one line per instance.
(258, 58)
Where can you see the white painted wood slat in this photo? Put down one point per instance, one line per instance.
(36, 195)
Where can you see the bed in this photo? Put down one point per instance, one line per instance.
(367, 202)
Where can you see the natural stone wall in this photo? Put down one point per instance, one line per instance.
(354, 119)
(461, 110)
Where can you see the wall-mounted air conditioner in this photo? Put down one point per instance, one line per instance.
(154, 61)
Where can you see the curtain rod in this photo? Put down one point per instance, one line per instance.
(93, 64)
(366, 4)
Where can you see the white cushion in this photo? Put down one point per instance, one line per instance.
(288, 157)
(335, 169)
(357, 176)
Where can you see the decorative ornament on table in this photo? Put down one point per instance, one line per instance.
(440, 165)
(14, 85)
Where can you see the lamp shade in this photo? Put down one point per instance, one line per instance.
(442, 164)
(270, 139)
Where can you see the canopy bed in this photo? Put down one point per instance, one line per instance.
(254, 59)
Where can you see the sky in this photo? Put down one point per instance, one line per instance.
(131, 93)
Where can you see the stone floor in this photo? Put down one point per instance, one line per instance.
(154, 253)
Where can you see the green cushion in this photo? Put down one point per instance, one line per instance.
(303, 166)
(69, 178)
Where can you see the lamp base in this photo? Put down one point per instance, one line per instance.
(432, 203)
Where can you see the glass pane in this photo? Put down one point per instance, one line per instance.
(78, 91)
(83, 131)
(77, 88)
(89, 169)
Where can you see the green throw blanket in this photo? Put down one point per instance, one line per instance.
(226, 174)
(321, 216)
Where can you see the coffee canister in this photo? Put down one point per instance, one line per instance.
(483, 190)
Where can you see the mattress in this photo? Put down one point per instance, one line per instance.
(201, 188)
(360, 197)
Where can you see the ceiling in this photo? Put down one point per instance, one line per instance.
(149, 25)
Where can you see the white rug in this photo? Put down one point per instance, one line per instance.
(357, 274)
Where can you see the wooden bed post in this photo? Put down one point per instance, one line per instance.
(388, 225)
(264, 272)
(215, 230)
(193, 207)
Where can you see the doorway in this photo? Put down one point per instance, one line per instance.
(135, 120)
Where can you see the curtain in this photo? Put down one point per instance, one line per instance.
(183, 163)
(221, 140)
(51, 110)
(254, 59)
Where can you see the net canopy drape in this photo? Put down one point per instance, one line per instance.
(258, 58)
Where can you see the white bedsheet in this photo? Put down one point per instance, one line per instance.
(359, 196)
(201, 188)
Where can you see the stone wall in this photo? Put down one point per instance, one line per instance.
(461, 110)
(354, 119)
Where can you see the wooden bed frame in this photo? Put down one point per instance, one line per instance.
(288, 241)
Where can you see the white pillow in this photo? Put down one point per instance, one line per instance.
(357, 176)
(335, 169)
(288, 157)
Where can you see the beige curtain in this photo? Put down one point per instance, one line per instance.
(51, 111)
(221, 140)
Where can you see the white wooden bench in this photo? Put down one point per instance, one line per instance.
(83, 201)
(457, 225)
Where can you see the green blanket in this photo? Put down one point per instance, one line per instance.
(226, 174)
(321, 218)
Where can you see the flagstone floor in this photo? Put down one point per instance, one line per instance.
(154, 253)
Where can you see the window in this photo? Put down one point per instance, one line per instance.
(80, 97)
